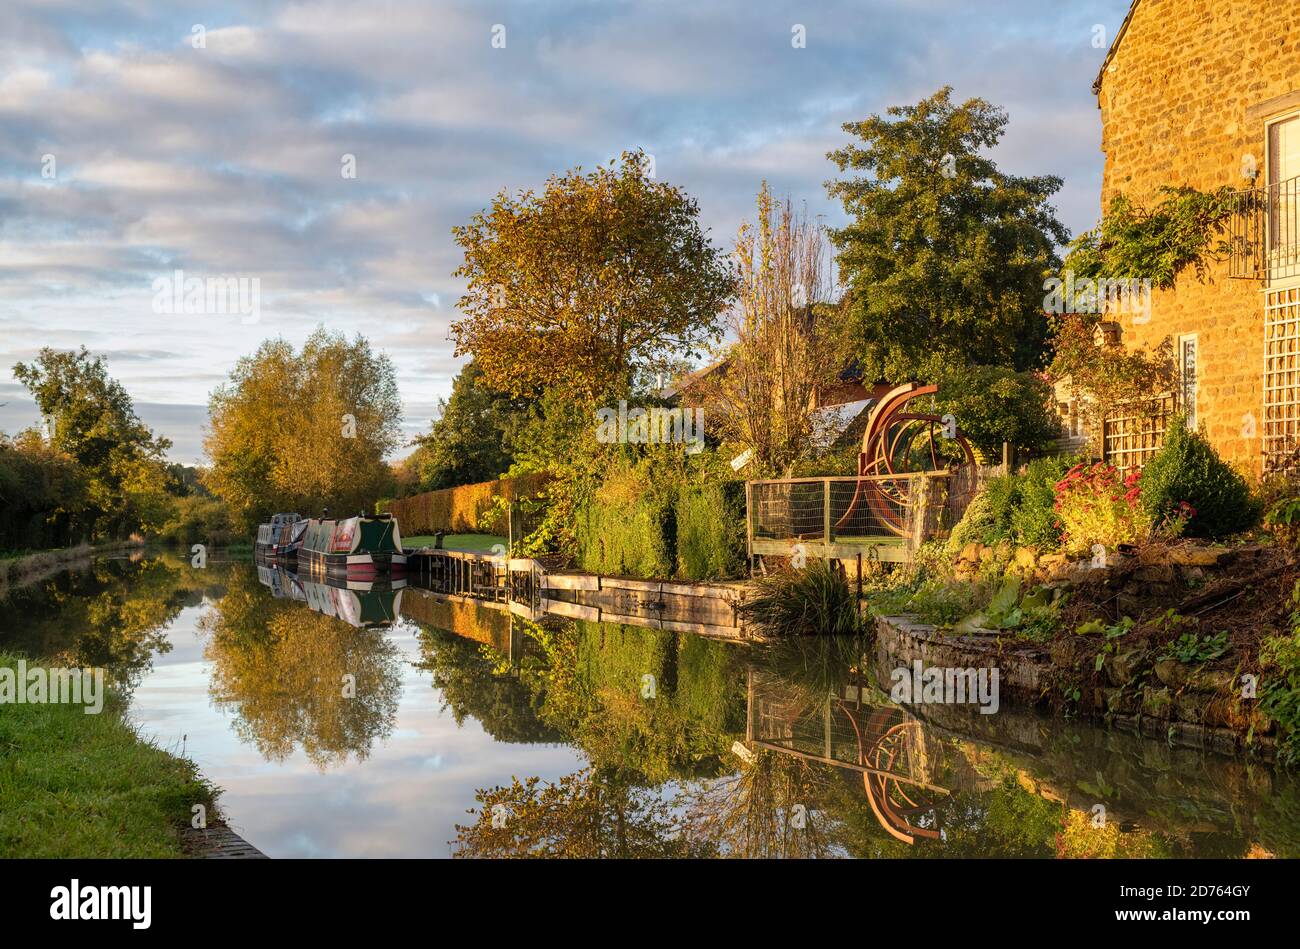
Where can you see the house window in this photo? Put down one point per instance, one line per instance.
(1187, 378)
(1283, 178)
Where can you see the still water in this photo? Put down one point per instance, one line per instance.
(410, 724)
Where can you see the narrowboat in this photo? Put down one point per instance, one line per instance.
(280, 538)
(354, 547)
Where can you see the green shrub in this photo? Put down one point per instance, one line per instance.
(994, 404)
(1033, 520)
(1283, 519)
(711, 531)
(814, 601)
(977, 523)
(1018, 508)
(1187, 469)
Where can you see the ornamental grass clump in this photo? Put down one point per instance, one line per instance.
(1095, 505)
(813, 601)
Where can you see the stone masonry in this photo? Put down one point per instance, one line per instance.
(1184, 96)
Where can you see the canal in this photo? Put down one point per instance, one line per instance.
(406, 724)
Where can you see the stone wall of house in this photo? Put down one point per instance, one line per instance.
(1174, 101)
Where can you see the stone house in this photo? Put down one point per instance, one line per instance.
(1207, 93)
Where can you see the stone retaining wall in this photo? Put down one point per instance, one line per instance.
(1175, 707)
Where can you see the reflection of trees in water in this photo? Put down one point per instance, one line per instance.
(585, 815)
(775, 806)
(108, 613)
(594, 684)
(1016, 785)
(467, 676)
(283, 667)
(585, 684)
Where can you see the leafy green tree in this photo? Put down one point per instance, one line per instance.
(944, 255)
(301, 431)
(470, 441)
(994, 405)
(92, 420)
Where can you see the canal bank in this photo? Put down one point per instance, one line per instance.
(17, 572)
(1178, 706)
(74, 784)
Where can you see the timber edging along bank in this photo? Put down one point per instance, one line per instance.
(219, 842)
(1027, 678)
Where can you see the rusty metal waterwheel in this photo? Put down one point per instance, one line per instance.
(902, 442)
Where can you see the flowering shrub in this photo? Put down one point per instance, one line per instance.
(1096, 506)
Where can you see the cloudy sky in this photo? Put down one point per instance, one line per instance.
(139, 138)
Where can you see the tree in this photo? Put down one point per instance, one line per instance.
(298, 432)
(787, 344)
(470, 440)
(91, 419)
(601, 275)
(1107, 380)
(944, 255)
(997, 406)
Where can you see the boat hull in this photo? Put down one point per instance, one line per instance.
(358, 565)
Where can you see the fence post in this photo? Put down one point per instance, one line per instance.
(920, 506)
(826, 515)
(749, 523)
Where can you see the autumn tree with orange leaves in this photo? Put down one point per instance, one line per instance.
(601, 276)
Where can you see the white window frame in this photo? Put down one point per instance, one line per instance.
(1275, 255)
(1194, 415)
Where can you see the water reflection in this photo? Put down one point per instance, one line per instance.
(324, 679)
(387, 721)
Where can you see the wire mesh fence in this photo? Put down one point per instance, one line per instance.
(907, 508)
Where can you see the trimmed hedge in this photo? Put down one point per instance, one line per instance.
(627, 536)
(693, 532)
(467, 509)
(711, 531)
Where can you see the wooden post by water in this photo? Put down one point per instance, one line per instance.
(826, 515)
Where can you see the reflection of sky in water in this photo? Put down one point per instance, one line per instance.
(402, 801)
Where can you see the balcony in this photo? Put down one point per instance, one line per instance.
(1264, 232)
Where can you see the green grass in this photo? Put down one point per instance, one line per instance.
(78, 785)
(473, 543)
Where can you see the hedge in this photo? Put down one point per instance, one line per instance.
(627, 537)
(711, 531)
(696, 532)
(467, 509)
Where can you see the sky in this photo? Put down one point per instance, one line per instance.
(326, 149)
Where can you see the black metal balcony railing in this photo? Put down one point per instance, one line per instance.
(1264, 232)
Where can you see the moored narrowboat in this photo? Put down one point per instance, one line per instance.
(353, 547)
(280, 538)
